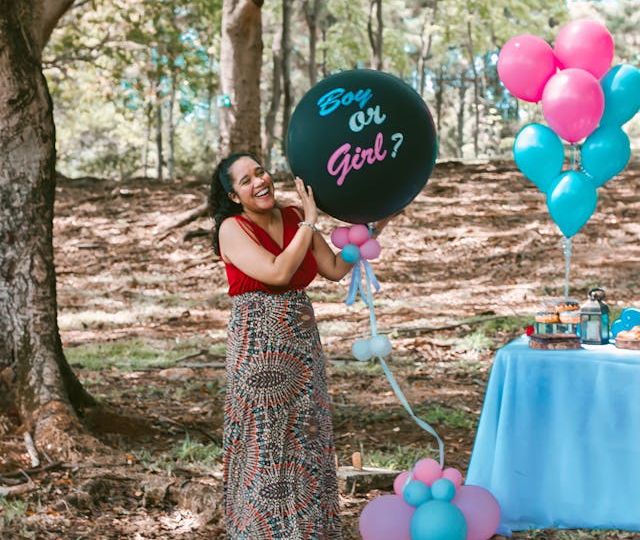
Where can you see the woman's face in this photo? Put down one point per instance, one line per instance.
(252, 185)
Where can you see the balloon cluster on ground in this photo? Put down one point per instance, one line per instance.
(581, 96)
(431, 504)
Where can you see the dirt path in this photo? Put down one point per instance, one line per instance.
(477, 242)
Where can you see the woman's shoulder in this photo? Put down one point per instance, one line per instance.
(237, 228)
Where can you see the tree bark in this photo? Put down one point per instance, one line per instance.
(286, 72)
(159, 152)
(276, 97)
(425, 49)
(171, 126)
(439, 97)
(37, 386)
(462, 90)
(240, 65)
(375, 39)
(311, 14)
(476, 90)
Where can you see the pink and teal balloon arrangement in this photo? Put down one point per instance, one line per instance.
(431, 504)
(584, 99)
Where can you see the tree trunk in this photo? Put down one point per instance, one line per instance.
(276, 96)
(172, 127)
(240, 64)
(311, 14)
(425, 49)
(147, 139)
(476, 90)
(462, 90)
(323, 66)
(439, 97)
(159, 134)
(37, 386)
(286, 72)
(375, 39)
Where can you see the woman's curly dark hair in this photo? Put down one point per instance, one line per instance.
(220, 205)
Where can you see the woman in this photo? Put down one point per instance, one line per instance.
(279, 459)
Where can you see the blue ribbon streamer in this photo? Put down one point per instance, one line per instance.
(355, 287)
(368, 300)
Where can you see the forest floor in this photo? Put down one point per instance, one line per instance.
(143, 318)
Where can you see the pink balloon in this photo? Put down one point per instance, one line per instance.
(525, 64)
(427, 471)
(370, 249)
(358, 234)
(481, 511)
(573, 103)
(340, 237)
(386, 518)
(400, 482)
(585, 44)
(454, 475)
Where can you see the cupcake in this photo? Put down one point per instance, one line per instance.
(569, 317)
(548, 317)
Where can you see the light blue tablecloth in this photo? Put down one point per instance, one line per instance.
(558, 443)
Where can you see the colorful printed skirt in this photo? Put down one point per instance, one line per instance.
(279, 458)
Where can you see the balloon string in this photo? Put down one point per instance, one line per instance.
(566, 248)
(392, 381)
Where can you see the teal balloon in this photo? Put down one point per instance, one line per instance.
(438, 520)
(416, 493)
(572, 200)
(605, 153)
(443, 489)
(539, 154)
(621, 87)
(350, 253)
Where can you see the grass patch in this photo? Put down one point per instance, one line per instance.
(12, 510)
(400, 458)
(509, 324)
(477, 342)
(186, 453)
(190, 451)
(127, 355)
(448, 416)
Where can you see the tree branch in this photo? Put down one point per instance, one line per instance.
(50, 13)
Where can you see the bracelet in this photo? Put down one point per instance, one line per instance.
(307, 224)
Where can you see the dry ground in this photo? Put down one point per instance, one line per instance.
(478, 242)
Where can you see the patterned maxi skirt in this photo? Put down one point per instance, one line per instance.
(279, 458)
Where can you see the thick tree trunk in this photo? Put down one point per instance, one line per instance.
(375, 38)
(37, 387)
(240, 65)
(276, 97)
(286, 71)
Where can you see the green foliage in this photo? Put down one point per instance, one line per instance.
(116, 67)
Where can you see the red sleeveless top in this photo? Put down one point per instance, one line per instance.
(239, 282)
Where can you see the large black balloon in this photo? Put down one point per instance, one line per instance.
(366, 143)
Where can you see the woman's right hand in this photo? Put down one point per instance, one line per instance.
(308, 202)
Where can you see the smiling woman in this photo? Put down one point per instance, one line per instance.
(279, 458)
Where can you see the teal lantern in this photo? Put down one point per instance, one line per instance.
(594, 319)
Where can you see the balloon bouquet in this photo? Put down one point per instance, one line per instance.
(581, 97)
(365, 141)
